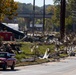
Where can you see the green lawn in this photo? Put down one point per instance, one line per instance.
(26, 50)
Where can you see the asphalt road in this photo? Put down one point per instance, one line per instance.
(64, 67)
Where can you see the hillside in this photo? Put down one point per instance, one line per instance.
(28, 8)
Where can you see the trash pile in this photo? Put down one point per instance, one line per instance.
(10, 47)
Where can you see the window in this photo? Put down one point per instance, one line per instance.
(3, 55)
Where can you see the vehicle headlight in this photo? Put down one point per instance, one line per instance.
(1, 61)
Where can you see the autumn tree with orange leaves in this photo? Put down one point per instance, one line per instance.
(7, 9)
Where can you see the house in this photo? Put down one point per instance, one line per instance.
(37, 27)
(6, 29)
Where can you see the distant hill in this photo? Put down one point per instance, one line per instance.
(28, 8)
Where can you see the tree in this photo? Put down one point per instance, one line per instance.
(7, 9)
(54, 21)
(48, 22)
(70, 7)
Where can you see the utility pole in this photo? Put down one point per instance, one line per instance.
(43, 16)
(33, 17)
(62, 19)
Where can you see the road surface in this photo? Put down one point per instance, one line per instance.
(64, 67)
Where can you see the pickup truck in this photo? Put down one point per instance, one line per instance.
(7, 60)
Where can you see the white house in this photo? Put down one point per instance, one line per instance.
(38, 27)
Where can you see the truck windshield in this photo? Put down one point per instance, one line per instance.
(3, 55)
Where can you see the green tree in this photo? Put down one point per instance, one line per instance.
(53, 22)
(48, 21)
(70, 6)
(7, 9)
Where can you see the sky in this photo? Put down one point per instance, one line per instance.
(37, 2)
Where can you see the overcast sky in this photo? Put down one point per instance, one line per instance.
(37, 2)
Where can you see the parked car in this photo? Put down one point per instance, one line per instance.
(72, 54)
(7, 60)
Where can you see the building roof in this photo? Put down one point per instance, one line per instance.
(12, 25)
(15, 32)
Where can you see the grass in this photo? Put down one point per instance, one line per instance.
(26, 53)
(26, 50)
(38, 61)
(63, 55)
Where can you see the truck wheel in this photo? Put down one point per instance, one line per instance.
(12, 67)
(4, 66)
